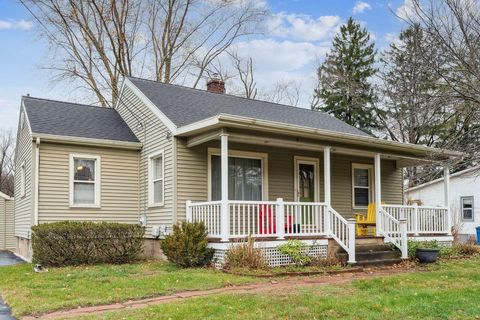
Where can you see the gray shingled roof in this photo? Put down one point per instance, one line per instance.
(76, 120)
(184, 106)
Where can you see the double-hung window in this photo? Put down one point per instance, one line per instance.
(84, 181)
(156, 179)
(362, 186)
(467, 208)
(246, 175)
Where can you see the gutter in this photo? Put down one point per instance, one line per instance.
(88, 141)
(282, 128)
(37, 170)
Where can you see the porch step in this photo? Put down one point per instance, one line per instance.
(377, 255)
(374, 255)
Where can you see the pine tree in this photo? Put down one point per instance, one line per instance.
(344, 89)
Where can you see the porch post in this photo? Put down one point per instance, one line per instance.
(225, 214)
(326, 187)
(446, 197)
(378, 194)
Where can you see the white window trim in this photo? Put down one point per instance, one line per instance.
(151, 197)
(316, 164)
(263, 157)
(23, 180)
(97, 184)
(371, 183)
(473, 208)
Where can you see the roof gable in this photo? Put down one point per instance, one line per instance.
(185, 106)
(76, 120)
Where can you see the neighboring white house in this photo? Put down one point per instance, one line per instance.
(464, 199)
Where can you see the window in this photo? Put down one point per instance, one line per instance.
(362, 190)
(22, 180)
(84, 181)
(467, 208)
(156, 174)
(246, 176)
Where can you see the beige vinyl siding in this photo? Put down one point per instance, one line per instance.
(155, 137)
(24, 206)
(7, 237)
(192, 175)
(119, 196)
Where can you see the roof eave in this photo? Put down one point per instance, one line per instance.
(44, 137)
(272, 126)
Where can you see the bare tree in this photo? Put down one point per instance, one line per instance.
(244, 72)
(453, 27)
(95, 42)
(286, 92)
(7, 150)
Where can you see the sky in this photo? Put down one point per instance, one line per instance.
(298, 34)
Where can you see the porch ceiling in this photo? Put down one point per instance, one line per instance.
(300, 143)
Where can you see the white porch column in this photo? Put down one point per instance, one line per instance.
(446, 196)
(225, 214)
(327, 188)
(378, 193)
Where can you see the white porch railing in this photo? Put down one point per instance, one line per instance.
(394, 230)
(275, 219)
(421, 219)
(207, 212)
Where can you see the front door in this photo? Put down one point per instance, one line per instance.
(306, 179)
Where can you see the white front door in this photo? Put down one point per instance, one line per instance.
(306, 179)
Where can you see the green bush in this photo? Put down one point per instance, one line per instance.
(295, 249)
(187, 245)
(73, 243)
(445, 251)
(245, 255)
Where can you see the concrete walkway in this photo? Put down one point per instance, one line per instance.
(5, 312)
(272, 286)
(8, 259)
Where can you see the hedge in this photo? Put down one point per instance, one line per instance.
(75, 243)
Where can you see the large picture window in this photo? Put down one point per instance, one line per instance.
(245, 177)
(156, 179)
(84, 180)
(362, 190)
(467, 208)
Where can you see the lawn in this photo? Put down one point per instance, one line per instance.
(28, 292)
(449, 291)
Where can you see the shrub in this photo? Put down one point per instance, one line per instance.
(245, 255)
(414, 245)
(74, 243)
(187, 245)
(295, 249)
(467, 249)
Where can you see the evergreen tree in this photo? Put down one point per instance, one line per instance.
(343, 88)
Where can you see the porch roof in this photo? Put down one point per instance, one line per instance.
(210, 129)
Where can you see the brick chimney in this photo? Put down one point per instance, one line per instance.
(216, 84)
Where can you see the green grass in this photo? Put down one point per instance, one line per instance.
(449, 291)
(28, 292)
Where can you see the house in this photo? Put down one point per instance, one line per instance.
(244, 167)
(464, 195)
(7, 239)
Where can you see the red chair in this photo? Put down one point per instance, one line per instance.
(266, 220)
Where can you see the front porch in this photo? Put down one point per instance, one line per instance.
(329, 183)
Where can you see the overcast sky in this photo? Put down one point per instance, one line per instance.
(298, 35)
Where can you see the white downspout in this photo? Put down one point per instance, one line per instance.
(37, 170)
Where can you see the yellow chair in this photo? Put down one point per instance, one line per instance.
(366, 221)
